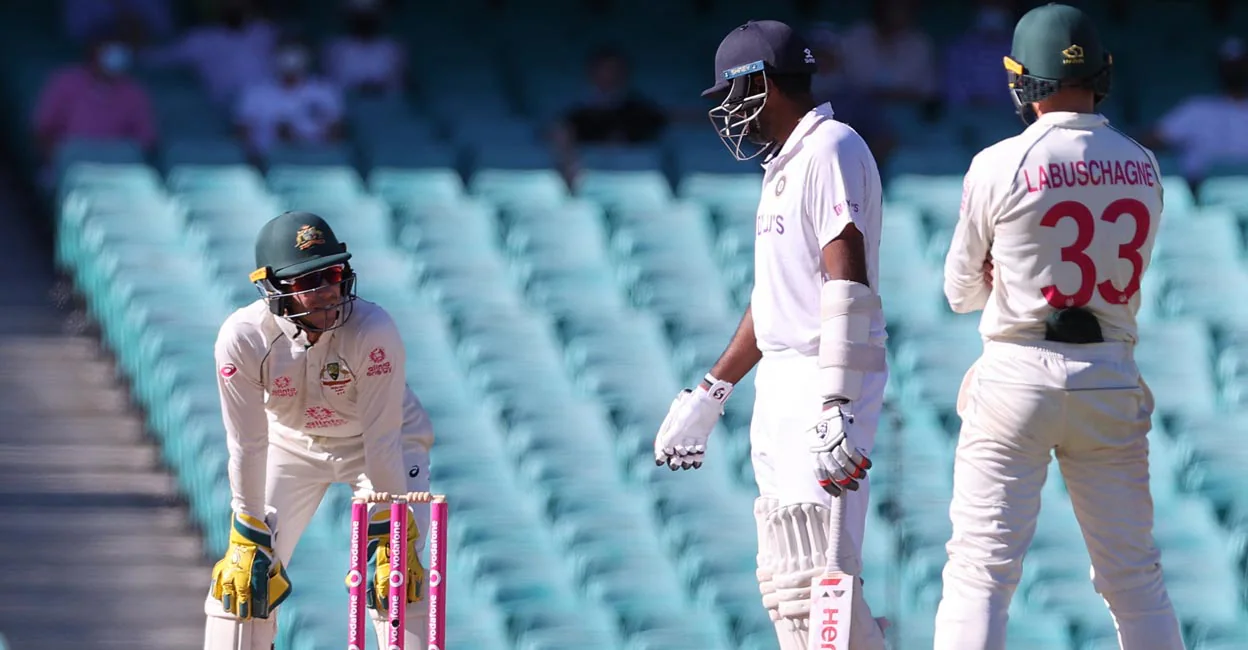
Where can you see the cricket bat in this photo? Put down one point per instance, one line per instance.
(832, 594)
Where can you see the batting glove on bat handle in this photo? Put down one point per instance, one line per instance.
(839, 464)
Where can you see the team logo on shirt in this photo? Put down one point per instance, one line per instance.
(336, 377)
(283, 387)
(380, 365)
(780, 183)
(320, 417)
(228, 370)
(307, 237)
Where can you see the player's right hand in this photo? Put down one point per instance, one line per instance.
(681, 441)
(250, 581)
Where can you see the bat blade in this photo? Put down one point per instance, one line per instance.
(831, 600)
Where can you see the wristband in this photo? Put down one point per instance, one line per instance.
(717, 389)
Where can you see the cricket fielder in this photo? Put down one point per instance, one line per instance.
(1056, 229)
(814, 328)
(312, 393)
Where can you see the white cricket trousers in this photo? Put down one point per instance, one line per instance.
(788, 401)
(300, 471)
(1019, 403)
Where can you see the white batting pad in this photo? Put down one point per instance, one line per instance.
(799, 539)
(766, 557)
(228, 633)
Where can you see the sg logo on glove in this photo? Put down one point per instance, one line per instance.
(839, 464)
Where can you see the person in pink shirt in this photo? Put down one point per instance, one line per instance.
(96, 100)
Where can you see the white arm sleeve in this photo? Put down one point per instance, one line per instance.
(972, 242)
(845, 350)
(381, 391)
(242, 409)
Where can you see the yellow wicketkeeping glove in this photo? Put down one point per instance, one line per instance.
(249, 581)
(379, 542)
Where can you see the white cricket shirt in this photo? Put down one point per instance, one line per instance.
(1068, 210)
(351, 383)
(821, 180)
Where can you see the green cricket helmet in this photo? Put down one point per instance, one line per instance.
(1055, 45)
(297, 254)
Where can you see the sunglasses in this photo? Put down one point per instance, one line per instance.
(316, 279)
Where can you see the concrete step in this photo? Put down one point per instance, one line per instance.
(33, 458)
(90, 522)
(118, 549)
(69, 429)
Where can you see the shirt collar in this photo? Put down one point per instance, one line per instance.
(1071, 120)
(805, 125)
(293, 331)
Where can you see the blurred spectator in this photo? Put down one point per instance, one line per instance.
(366, 60)
(137, 21)
(1208, 130)
(849, 104)
(295, 107)
(96, 99)
(613, 113)
(228, 56)
(973, 75)
(889, 57)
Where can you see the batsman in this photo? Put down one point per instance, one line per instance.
(312, 389)
(815, 328)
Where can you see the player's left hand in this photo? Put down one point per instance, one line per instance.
(840, 464)
(378, 591)
(250, 582)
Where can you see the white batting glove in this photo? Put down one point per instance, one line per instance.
(840, 463)
(681, 441)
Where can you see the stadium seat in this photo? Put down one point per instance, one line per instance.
(396, 149)
(133, 179)
(722, 191)
(1226, 192)
(229, 183)
(77, 150)
(930, 362)
(335, 181)
(1209, 235)
(615, 189)
(416, 186)
(202, 150)
(309, 155)
(1176, 359)
(620, 158)
(514, 187)
(939, 197)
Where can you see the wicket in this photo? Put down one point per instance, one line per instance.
(435, 573)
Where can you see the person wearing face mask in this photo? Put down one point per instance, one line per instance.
(972, 73)
(228, 55)
(1212, 129)
(96, 99)
(295, 107)
(366, 60)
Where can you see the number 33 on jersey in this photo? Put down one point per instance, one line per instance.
(1068, 215)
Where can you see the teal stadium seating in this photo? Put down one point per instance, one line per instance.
(549, 323)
